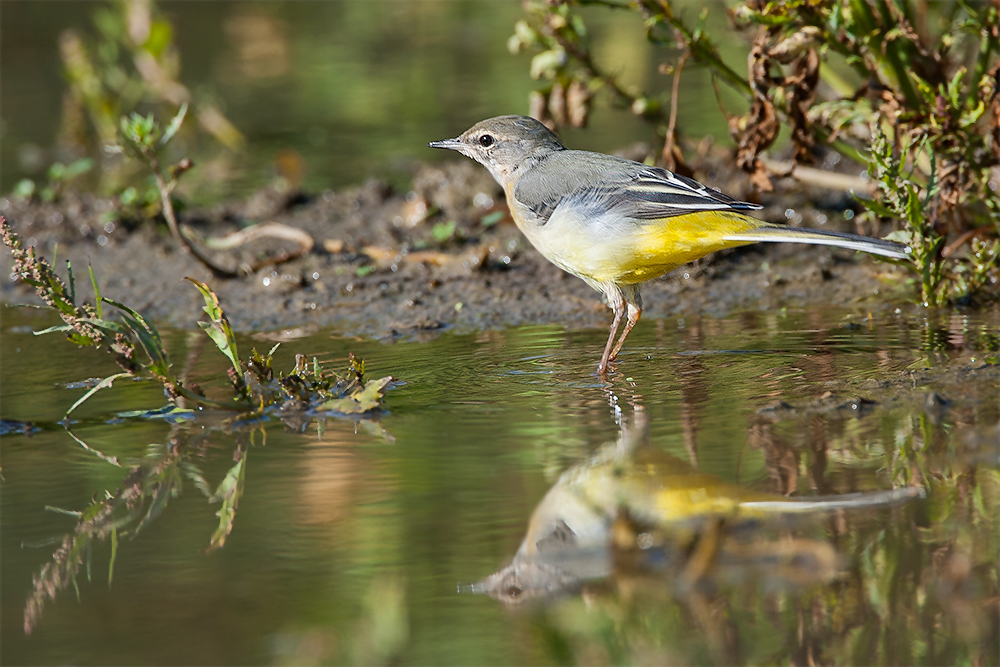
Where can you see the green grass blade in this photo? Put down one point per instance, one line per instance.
(175, 125)
(58, 327)
(106, 382)
(114, 555)
(148, 337)
(97, 292)
(72, 282)
(219, 329)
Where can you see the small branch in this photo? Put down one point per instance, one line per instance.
(168, 213)
(671, 153)
(266, 230)
(820, 178)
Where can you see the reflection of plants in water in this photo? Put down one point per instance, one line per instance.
(143, 495)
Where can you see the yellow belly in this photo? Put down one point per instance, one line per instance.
(664, 245)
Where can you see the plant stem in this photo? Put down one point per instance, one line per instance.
(168, 213)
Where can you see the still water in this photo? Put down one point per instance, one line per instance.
(362, 541)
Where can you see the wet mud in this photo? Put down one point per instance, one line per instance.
(443, 256)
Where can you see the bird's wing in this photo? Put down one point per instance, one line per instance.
(605, 183)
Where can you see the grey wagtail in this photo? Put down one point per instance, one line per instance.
(616, 223)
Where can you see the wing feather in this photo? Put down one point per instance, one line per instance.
(605, 183)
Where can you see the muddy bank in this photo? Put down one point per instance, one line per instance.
(444, 255)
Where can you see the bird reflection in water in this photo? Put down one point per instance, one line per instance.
(635, 513)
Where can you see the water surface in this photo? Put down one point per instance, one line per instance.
(352, 537)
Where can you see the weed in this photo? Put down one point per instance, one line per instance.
(442, 232)
(307, 390)
(58, 177)
(915, 96)
(256, 389)
(130, 59)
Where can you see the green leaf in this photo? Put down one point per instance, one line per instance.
(147, 336)
(79, 339)
(175, 125)
(492, 219)
(59, 327)
(24, 189)
(160, 37)
(365, 400)
(79, 167)
(900, 236)
(877, 207)
(219, 329)
(229, 492)
(97, 292)
(72, 283)
(547, 63)
(443, 231)
(106, 382)
(170, 413)
(59, 510)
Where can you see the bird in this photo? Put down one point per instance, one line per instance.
(617, 223)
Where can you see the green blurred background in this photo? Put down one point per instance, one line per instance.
(355, 88)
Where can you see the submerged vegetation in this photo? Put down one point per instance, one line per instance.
(911, 89)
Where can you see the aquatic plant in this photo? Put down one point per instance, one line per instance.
(913, 85)
(255, 387)
(307, 390)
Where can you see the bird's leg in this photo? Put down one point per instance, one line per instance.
(616, 302)
(634, 301)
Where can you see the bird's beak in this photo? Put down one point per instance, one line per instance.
(450, 144)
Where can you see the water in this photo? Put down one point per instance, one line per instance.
(351, 538)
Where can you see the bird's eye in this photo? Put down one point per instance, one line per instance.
(486, 140)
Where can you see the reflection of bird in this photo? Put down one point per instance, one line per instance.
(616, 223)
(573, 529)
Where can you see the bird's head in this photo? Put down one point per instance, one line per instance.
(505, 145)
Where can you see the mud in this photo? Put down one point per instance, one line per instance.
(384, 264)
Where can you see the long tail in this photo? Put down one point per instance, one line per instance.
(828, 503)
(782, 234)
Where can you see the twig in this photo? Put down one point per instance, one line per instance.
(168, 213)
(671, 153)
(274, 230)
(820, 178)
